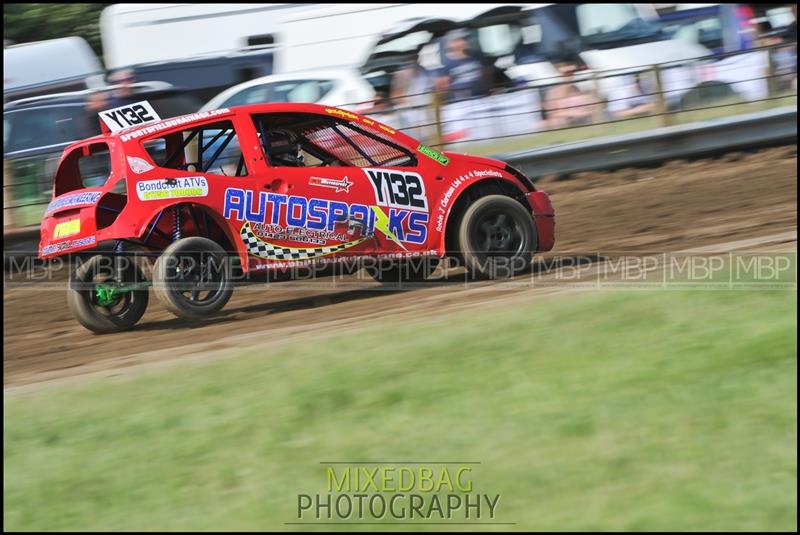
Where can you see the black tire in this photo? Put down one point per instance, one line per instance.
(496, 237)
(198, 267)
(84, 302)
(393, 272)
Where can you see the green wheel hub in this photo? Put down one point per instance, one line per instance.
(109, 294)
(106, 294)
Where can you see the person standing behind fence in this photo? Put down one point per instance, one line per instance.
(123, 93)
(633, 95)
(462, 73)
(566, 104)
(411, 90)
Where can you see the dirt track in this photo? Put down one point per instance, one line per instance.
(677, 206)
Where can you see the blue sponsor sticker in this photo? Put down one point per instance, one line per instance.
(74, 200)
(67, 245)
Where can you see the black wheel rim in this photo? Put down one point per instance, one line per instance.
(199, 278)
(497, 234)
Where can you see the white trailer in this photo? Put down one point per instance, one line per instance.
(135, 34)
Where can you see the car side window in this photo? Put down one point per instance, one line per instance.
(212, 148)
(313, 140)
(95, 165)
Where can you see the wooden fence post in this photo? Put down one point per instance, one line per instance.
(661, 103)
(438, 140)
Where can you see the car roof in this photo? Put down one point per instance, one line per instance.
(66, 58)
(141, 89)
(317, 74)
(273, 107)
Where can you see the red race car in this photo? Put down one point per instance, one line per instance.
(272, 186)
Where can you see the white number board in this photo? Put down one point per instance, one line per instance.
(129, 115)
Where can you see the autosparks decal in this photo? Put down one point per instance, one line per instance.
(287, 211)
(270, 251)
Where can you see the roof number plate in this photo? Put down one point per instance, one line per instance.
(129, 115)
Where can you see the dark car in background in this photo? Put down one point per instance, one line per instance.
(36, 130)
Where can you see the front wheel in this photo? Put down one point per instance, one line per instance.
(497, 237)
(192, 278)
(107, 294)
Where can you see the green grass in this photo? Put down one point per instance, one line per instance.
(619, 410)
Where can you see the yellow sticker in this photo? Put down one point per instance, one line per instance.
(67, 228)
(342, 113)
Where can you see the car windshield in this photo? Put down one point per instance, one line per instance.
(405, 43)
(498, 39)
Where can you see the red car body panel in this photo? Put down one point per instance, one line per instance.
(274, 216)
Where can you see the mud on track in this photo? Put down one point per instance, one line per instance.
(677, 206)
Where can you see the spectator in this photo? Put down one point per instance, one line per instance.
(633, 97)
(123, 93)
(411, 84)
(791, 30)
(462, 74)
(96, 102)
(566, 104)
(411, 95)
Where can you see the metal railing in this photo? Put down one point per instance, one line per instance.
(662, 93)
(596, 103)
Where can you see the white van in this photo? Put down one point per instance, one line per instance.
(56, 65)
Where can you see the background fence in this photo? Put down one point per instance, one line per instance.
(566, 108)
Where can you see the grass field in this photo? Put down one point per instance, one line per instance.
(609, 410)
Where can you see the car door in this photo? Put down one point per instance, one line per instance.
(326, 196)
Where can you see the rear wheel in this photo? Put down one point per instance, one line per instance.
(496, 237)
(192, 278)
(107, 294)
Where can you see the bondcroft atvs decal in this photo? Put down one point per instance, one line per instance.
(171, 188)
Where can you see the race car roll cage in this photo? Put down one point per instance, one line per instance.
(203, 147)
(307, 145)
